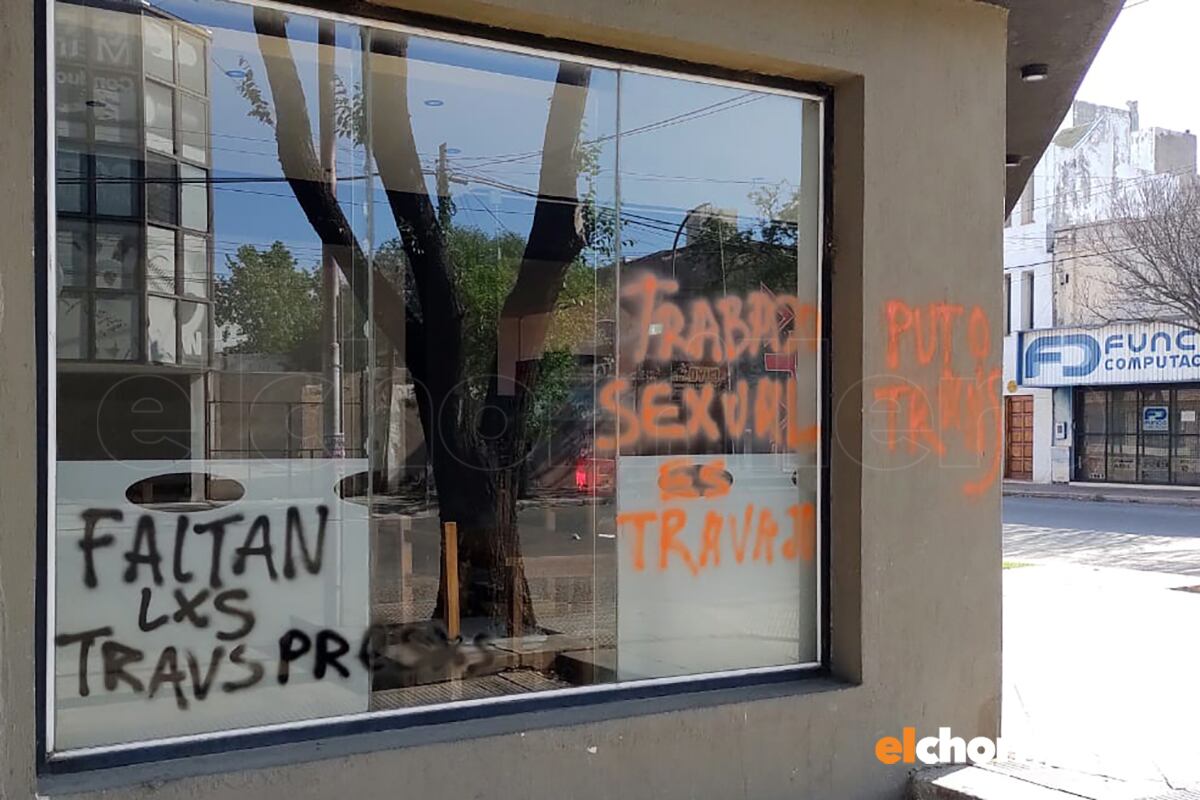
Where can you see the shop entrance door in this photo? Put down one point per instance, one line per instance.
(1018, 437)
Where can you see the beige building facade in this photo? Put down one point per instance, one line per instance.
(667, 654)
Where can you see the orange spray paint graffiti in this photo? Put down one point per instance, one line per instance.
(951, 409)
(725, 538)
(709, 340)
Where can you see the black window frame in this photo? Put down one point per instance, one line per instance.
(420, 726)
(1174, 435)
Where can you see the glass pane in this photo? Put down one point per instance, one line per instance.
(71, 327)
(194, 192)
(158, 51)
(193, 332)
(115, 107)
(71, 182)
(114, 46)
(1154, 464)
(160, 117)
(160, 260)
(192, 62)
(1094, 410)
(1091, 459)
(115, 39)
(116, 327)
(1186, 459)
(117, 187)
(162, 191)
(195, 266)
(720, 207)
(118, 253)
(71, 96)
(71, 36)
(240, 431)
(160, 337)
(1122, 459)
(71, 252)
(1124, 412)
(193, 129)
(1187, 411)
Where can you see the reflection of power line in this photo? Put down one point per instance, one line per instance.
(697, 113)
(627, 174)
(643, 221)
(662, 225)
(1095, 254)
(207, 179)
(1117, 184)
(490, 213)
(719, 106)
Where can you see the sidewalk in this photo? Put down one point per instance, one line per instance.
(1099, 672)
(1158, 495)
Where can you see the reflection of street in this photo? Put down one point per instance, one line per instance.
(1100, 650)
(569, 550)
(552, 527)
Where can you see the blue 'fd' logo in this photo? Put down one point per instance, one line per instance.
(1050, 349)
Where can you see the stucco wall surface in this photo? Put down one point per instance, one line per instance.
(916, 535)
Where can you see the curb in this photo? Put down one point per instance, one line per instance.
(1101, 497)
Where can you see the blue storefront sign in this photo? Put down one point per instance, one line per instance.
(1157, 352)
(1156, 419)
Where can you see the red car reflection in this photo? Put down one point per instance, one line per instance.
(595, 475)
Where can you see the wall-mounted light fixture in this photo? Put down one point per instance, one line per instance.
(1032, 73)
(1013, 160)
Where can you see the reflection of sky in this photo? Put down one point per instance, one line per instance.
(684, 143)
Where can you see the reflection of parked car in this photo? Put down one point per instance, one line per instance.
(595, 475)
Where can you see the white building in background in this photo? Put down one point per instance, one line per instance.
(1052, 338)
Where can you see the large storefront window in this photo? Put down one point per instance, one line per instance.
(1147, 434)
(395, 371)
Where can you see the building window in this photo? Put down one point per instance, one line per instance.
(562, 436)
(1027, 203)
(1027, 300)
(1007, 304)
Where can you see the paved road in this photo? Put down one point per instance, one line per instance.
(1123, 535)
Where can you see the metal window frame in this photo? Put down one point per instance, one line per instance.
(464, 718)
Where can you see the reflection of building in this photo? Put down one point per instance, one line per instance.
(1063, 423)
(712, 261)
(134, 247)
(909, 591)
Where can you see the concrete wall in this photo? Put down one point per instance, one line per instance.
(18, 422)
(1159, 150)
(916, 535)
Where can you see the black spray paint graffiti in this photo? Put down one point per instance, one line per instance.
(145, 551)
(393, 656)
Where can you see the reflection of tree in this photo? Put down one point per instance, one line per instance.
(268, 302)
(741, 259)
(476, 426)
